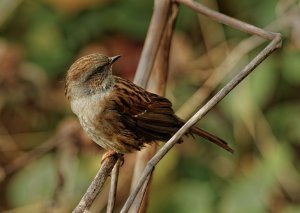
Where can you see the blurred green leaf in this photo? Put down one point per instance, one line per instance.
(292, 209)
(284, 120)
(185, 196)
(35, 183)
(250, 192)
(290, 67)
(263, 82)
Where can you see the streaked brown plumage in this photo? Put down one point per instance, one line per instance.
(117, 114)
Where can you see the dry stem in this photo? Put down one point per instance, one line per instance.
(227, 20)
(97, 184)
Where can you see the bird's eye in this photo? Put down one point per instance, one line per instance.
(96, 73)
(99, 69)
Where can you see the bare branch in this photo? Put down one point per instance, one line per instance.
(140, 204)
(227, 20)
(142, 159)
(97, 184)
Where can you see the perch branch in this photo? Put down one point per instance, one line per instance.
(272, 46)
(97, 184)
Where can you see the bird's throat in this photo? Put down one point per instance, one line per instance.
(108, 83)
(92, 87)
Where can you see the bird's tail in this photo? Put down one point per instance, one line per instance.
(212, 138)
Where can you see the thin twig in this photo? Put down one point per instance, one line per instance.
(227, 20)
(272, 46)
(142, 159)
(113, 187)
(140, 204)
(97, 184)
(209, 27)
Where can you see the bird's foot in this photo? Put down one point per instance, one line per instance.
(111, 153)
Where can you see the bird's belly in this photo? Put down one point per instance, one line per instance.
(102, 136)
(96, 134)
(87, 110)
(100, 127)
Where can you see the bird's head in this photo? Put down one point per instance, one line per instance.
(90, 73)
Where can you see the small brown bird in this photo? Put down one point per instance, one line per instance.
(118, 115)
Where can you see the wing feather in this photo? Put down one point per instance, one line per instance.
(149, 116)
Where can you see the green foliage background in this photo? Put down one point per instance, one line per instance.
(260, 118)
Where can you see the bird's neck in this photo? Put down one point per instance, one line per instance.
(94, 86)
(105, 85)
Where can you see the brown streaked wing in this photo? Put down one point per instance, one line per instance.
(149, 116)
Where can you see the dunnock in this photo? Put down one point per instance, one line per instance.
(117, 114)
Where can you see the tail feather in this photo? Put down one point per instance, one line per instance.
(212, 138)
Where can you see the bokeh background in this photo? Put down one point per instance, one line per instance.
(47, 162)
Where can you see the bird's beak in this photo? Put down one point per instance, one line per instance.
(114, 58)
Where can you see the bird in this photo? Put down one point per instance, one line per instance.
(117, 114)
